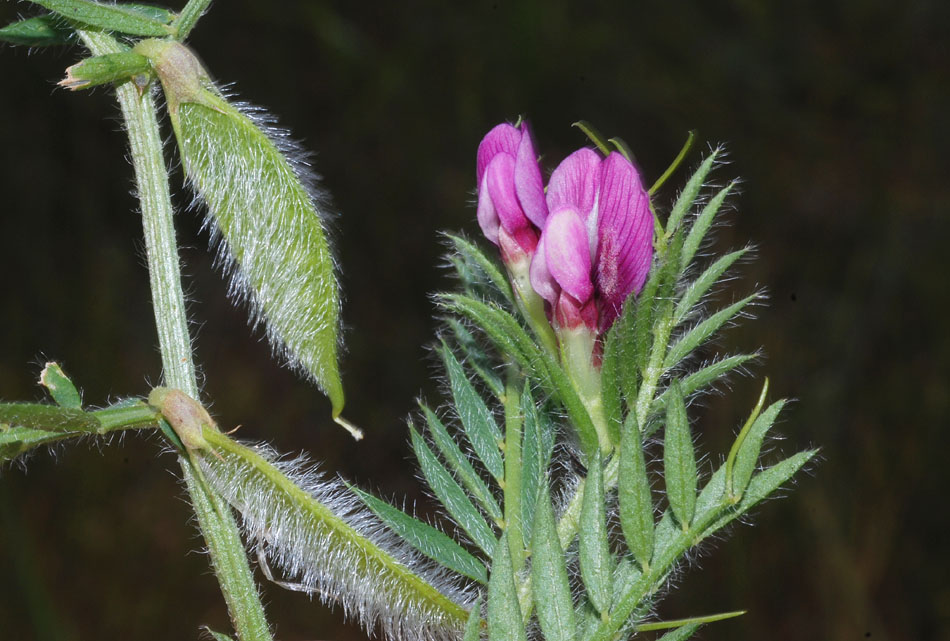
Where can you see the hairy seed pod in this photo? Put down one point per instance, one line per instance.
(264, 211)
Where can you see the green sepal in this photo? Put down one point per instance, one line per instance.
(697, 335)
(511, 339)
(39, 31)
(50, 418)
(460, 464)
(131, 20)
(597, 564)
(504, 611)
(477, 420)
(634, 495)
(452, 496)
(688, 196)
(54, 379)
(679, 458)
(700, 226)
(106, 69)
(710, 276)
(431, 541)
(552, 593)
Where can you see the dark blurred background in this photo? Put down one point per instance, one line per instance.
(835, 117)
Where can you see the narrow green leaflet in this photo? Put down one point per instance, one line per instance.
(479, 422)
(40, 31)
(748, 454)
(596, 562)
(710, 276)
(504, 612)
(697, 335)
(473, 627)
(536, 450)
(700, 226)
(511, 338)
(681, 633)
(54, 379)
(679, 458)
(634, 496)
(688, 196)
(712, 497)
(714, 371)
(460, 465)
(679, 623)
(552, 591)
(425, 538)
(625, 574)
(476, 356)
(112, 17)
(491, 270)
(217, 636)
(614, 370)
(15, 441)
(452, 496)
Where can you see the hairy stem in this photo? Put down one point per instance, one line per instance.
(214, 516)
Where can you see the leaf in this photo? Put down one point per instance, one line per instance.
(552, 591)
(40, 31)
(634, 496)
(504, 612)
(425, 538)
(459, 463)
(679, 458)
(474, 255)
(51, 418)
(473, 627)
(593, 550)
(615, 371)
(700, 226)
(748, 454)
(447, 490)
(679, 623)
(694, 292)
(479, 422)
(511, 339)
(18, 440)
(54, 379)
(702, 331)
(112, 17)
(625, 574)
(266, 213)
(714, 371)
(682, 633)
(217, 636)
(476, 356)
(688, 196)
(712, 495)
(536, 450)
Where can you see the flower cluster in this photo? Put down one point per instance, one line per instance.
(586, 241)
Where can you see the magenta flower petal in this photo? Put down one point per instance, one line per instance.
(486, 214)
(625, 236)
(567, 253)
(500, 178)
(502, 139)
(528, 181)
(575, 183)
(540, 276)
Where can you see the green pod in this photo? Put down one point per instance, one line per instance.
(265, 213)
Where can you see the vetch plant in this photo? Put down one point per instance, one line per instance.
(564, 458)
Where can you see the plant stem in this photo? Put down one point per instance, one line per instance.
(214, 516)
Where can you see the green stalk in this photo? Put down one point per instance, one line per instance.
(189, 17)
(215, 519)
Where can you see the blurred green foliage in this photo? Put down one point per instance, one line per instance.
(835, 117)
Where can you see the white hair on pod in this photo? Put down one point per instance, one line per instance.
(327, 542)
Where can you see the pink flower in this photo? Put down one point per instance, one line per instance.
(511, 205)
(596, 244)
